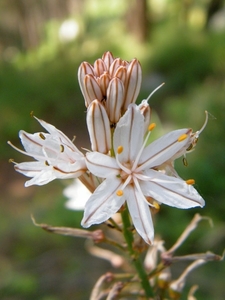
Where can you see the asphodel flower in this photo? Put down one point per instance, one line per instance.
(114, 82)
(132, 176)
(55, 156)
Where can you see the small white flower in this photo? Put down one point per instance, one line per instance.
(55, 154)
(132, 175)
(77, 195)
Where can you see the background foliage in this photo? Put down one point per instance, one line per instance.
(181, 43)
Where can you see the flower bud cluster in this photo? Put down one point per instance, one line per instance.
(109, 86)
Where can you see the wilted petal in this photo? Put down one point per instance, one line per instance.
(140, 213)
(114, 102)
(98, 127)
(103, 203)
(164, 148)
(170, 190)
(146, 112)
(129, 134)
(133, 82)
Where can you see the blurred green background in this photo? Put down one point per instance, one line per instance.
(42, 43)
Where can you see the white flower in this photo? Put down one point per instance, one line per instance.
(132, 175)
(55, 154)
(77, 195)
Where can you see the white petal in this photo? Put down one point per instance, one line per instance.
(78, 195)
(59, 136)
(163, 149)
(129, 133)
(30, 169)
(32, 143)
(170, 190)
(101, 165)
(68, 170)
(103, 203)
(43, 177)
(140, 214)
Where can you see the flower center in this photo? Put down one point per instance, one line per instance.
(128, 173)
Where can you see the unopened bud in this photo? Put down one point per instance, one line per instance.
(115, 96)
(98, 127)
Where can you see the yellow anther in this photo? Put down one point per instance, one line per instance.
(120, 149)
(182, 137)
(190, 181)
(11, 160)
(119, 193)
(151, 126)
(42, 136)
(47, 163)
(32, 113)
(61, 148)
(156, 205)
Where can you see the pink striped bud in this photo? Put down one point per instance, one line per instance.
(98, 127)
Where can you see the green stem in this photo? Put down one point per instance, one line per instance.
(134, 255)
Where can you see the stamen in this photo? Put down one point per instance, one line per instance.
(182, 137)
(155, 91)
(119, 193)
(42, 136)
(32, 113)
(185, 163)
(141, 150)
(190, 181)
(151, 126)
(156, 205)
(204, 125)
(11, 160)
(47, 163)
(120, 149)
(62, 148)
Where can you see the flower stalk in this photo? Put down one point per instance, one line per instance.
(135, 258)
